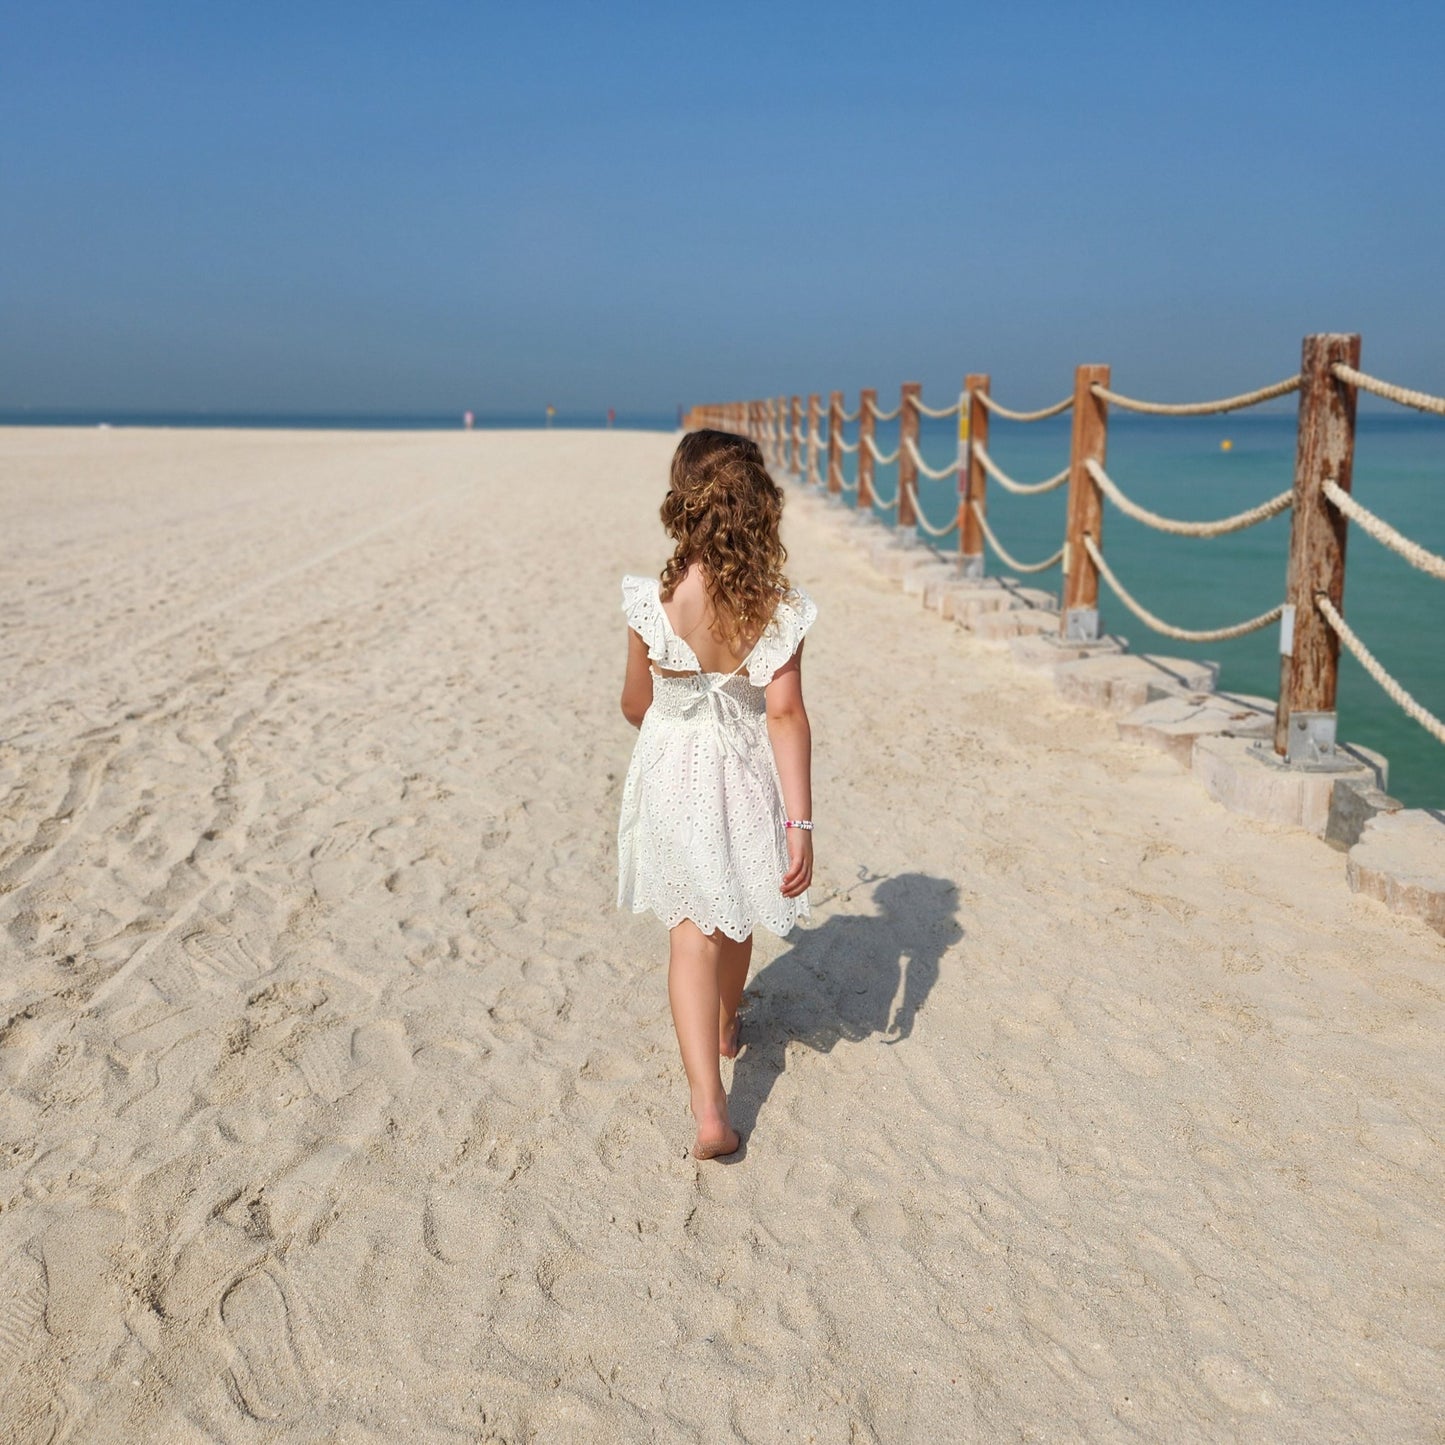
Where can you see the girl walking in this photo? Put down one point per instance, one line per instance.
(715, 835)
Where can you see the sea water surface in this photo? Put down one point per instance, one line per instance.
(1178, 467)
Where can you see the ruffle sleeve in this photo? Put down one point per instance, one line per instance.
(795, 614)
(643, 611)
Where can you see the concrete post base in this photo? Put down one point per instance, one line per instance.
(918, 579)
(1121, 684)
(1007, 623)
(1174, 724)
(1044, 651)
(1249, 778)
(1400, 859)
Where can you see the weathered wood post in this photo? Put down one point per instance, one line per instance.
(1079, 619)
(907, 467)
(794, 412)
(835, 443)
(867, 400)
(1304, 724)
(780, 445)
(812, 438)
(973, 429)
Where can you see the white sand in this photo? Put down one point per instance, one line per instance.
(342, 1104)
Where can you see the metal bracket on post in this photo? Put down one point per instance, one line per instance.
(1311, 739)
(1081, 624)
(971, 566)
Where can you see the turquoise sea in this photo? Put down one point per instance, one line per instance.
(1177, 467)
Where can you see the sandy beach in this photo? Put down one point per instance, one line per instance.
(340, 1103)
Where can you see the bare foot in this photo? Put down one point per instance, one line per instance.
(715, 1136)
(715, 1146)
(729, 1038)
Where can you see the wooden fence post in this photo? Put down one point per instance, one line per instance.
(1304, 723)
(794, 414)
(907, 467)
(810, 471)
(975, 481)
(867, 399)
(1079, 619)
(780, 446)
(835, 438)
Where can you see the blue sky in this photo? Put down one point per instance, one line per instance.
(422, 206)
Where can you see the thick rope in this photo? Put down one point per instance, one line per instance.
(1022, 489)
(1181, 634)
(1372, 665)
(921, 518)
(1383, 532)
(1007, 558)
(847, 446)
(887, 503)
(1042, 414)
(1200, 408)
(850, 415)
(1224, 525)
(1402, 395)
(848, 486)
(820, 442)
(884, 459)
(884, 415)
(943, 410)
(938, 475)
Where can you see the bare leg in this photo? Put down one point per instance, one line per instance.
(692, 990)
(732, 975)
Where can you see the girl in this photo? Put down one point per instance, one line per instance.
(715, 835)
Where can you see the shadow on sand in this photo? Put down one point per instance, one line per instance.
(839, 981)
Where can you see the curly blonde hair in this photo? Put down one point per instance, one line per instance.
(722, 512)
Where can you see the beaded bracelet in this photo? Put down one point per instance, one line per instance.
(798, 823)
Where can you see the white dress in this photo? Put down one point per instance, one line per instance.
(701, 831)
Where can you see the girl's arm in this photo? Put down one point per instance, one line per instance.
(637, 685)
(792, 742)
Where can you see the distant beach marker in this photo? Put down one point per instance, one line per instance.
(1226, 445)
(551, 412)
(468, 419)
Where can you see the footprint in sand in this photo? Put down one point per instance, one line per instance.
(23, 1295)
(266, 1374)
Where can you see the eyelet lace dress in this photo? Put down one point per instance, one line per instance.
(701, 831)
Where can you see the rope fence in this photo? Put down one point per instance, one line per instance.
(1042, 414)
(937, 474)
(1222, 527)
(1400, 395)
(1006, 557)
(1367, 659)
(921, 518)
(1168, 629)
(960, 405)
(1320, 502)
(1019, 489)
(1382, 531)
(1201, 408)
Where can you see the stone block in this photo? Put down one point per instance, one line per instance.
(1173, 723)
(1013, 622)
(967, 601)
(1044, 651)
(1247, 777)
(1032, 596)
(1119, 684)
(917, 580)
(1352, 805)
(893, 555)
(1400, 859)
